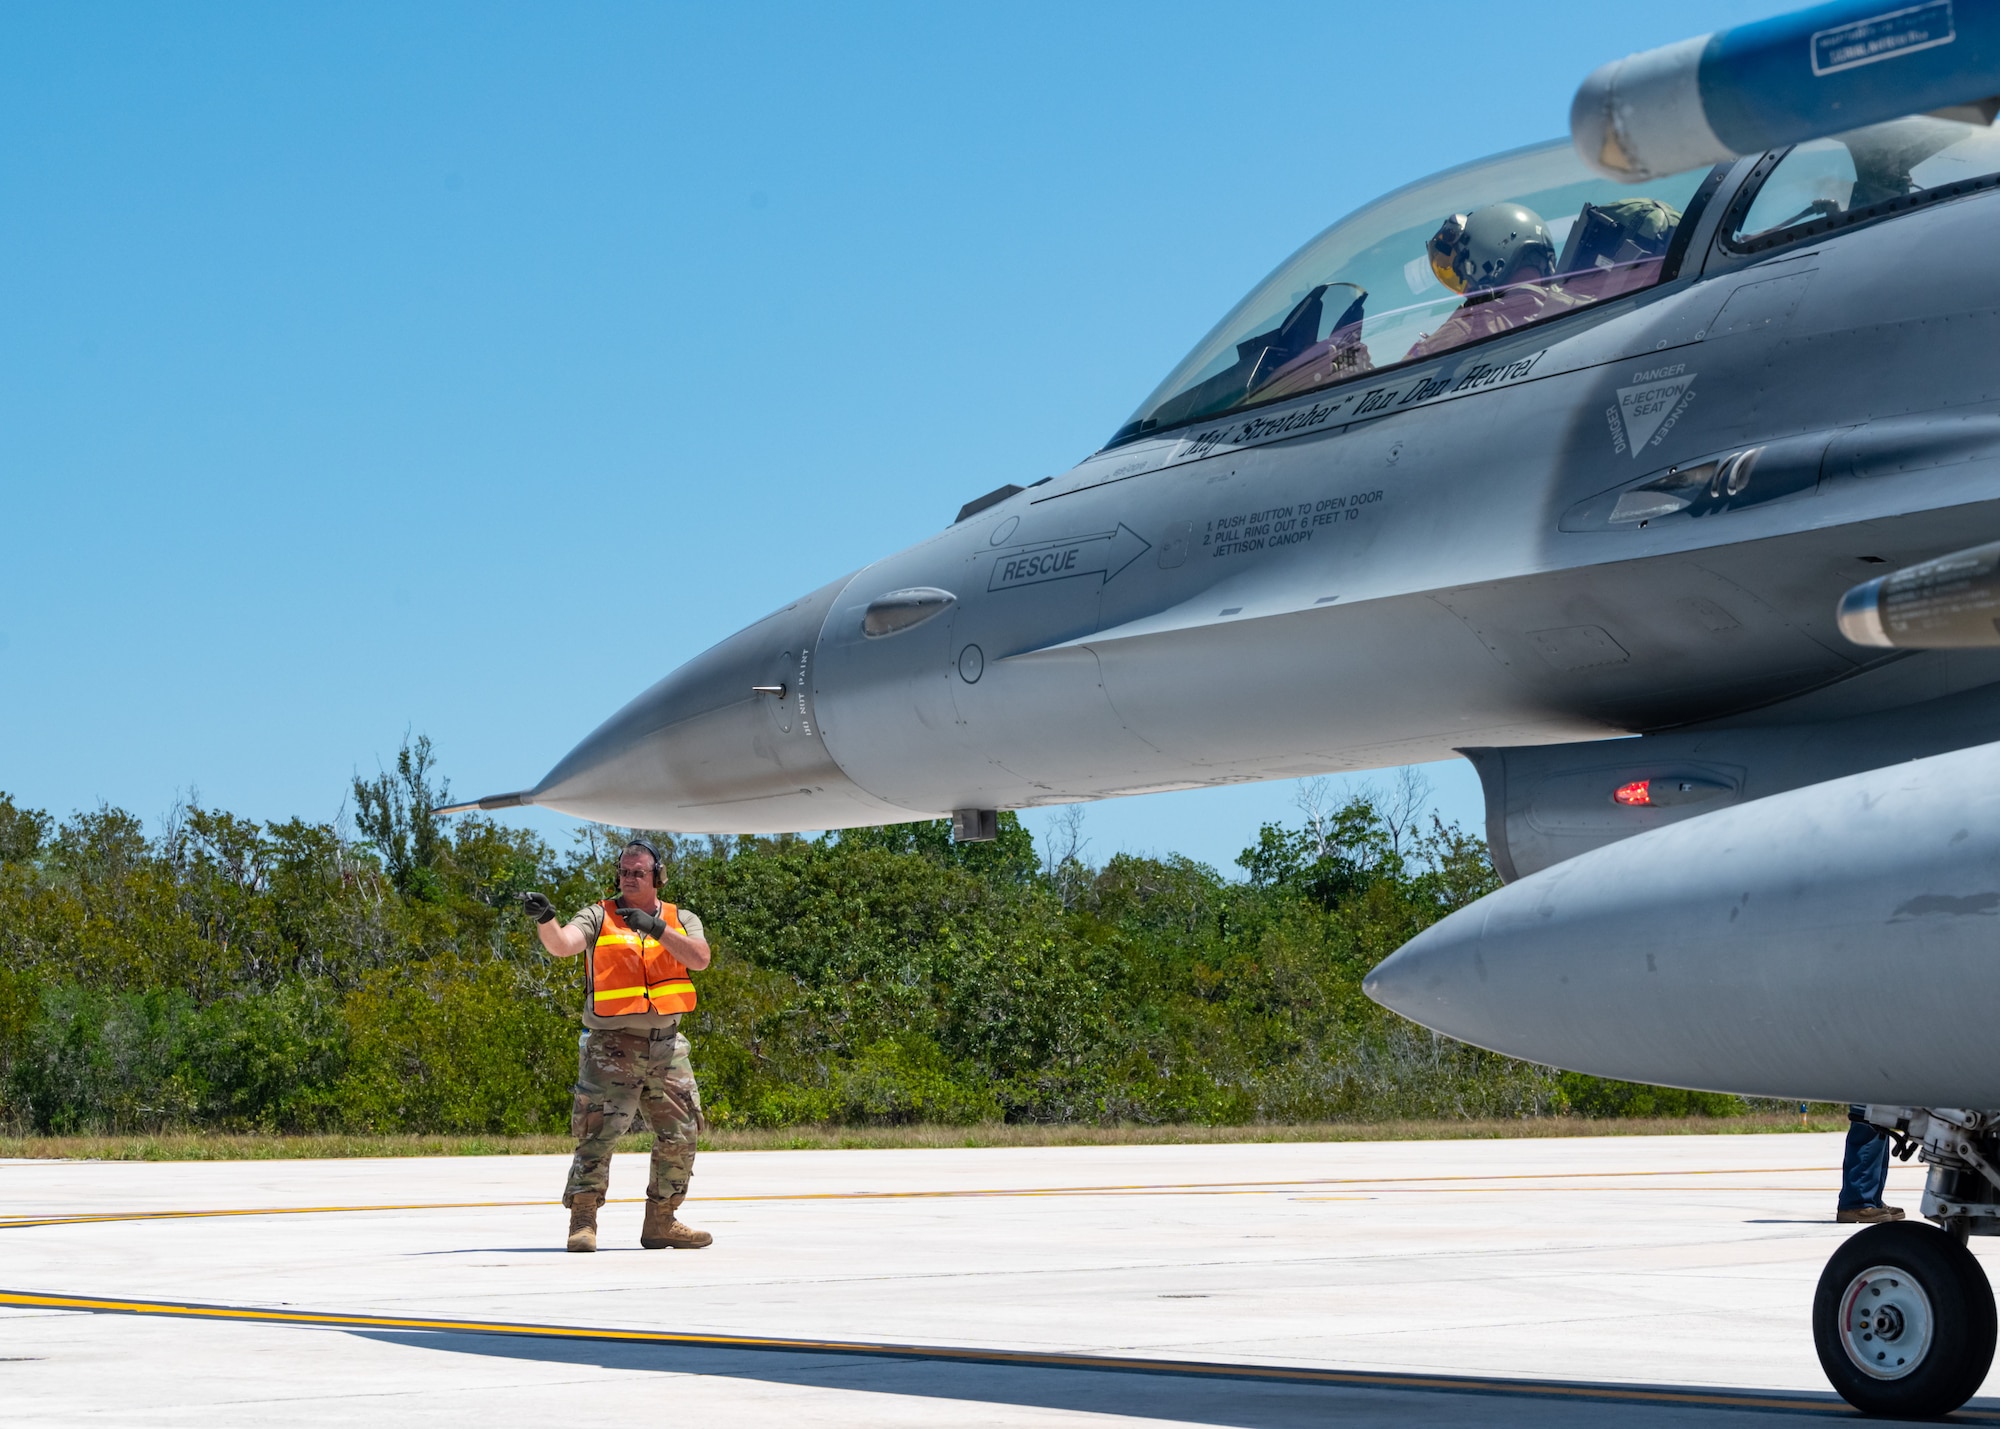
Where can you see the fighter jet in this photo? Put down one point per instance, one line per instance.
(1632, 468)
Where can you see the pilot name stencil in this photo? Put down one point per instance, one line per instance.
(1423, 389)
(1102, 553)
(1416, 392)
(1260, 429)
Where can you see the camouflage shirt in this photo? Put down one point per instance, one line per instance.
(589, 921)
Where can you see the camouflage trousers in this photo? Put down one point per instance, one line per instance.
(627, 1074)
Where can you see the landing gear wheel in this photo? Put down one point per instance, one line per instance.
(1904, 1321)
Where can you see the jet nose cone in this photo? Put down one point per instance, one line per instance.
(728, 743)
(1439, 978)
(1516, 974)
(1831, 943)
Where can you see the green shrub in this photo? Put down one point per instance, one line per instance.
(143, 1061)
(95, 1061)
(271, 1061)
(1581, 1095)
(457, 1046)
(283, 977)
(902, 1080)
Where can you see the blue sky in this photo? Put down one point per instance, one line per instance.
(459, 369)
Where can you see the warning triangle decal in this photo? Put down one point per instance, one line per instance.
(1645, 407)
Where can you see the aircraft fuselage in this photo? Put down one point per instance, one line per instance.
(1417, 561)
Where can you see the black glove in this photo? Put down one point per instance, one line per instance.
(538, 907)
(646, 923)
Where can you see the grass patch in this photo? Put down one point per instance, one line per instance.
(196, 1146)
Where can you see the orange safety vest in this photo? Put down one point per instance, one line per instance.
(631, 973)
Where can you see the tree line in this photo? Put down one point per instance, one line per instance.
(301, 976)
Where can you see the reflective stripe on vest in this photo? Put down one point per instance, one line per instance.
(631, 973)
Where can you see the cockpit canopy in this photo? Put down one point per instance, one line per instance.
(1828, 183)
(1474, 251)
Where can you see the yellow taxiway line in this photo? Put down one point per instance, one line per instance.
(1378, 1185)
(1020, 1359)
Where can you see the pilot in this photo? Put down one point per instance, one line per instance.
(638, 952)
(1501, 257)
(1864, 1173)
(1442, 250)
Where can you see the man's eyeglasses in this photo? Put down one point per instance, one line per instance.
(635, 873)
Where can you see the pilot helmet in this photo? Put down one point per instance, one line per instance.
(1502, 243)
(1441, 249)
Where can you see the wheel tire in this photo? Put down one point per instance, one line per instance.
(1911, 1287)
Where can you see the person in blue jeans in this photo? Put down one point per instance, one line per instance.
(1864, 1173)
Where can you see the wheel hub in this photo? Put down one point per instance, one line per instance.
(1885, 1322)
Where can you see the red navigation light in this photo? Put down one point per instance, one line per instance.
(1636, 795)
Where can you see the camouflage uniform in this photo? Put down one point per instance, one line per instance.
(640, 1072)
(627, 1067)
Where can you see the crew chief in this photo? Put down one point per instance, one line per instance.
(639, 952)
(1864, 1173)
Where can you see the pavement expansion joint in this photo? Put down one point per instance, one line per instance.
(1379, 1185)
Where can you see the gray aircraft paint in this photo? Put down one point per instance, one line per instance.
(700, 740)
(1409, 589)
(1553, 802)
(1828, 944)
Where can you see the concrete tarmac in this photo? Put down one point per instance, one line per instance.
(1650, 1281)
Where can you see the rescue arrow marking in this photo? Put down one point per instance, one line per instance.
(1106, 552)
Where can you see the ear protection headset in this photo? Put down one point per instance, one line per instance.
(658, 869)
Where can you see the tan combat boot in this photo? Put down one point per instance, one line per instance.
(663, 1232)
(1869, 1215)
(583, 1219)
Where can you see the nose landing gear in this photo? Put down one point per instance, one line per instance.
(1904, 1318)
(1904, 1321)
